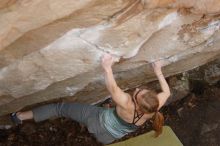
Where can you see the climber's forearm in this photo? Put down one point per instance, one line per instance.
(163, 83)
(110, 81)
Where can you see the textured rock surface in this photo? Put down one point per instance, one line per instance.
(195, 6)
(52, 49)
(209, 73)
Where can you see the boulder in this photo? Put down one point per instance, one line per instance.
(52, 49)
(209, 73)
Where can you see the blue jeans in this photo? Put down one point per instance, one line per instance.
(82, 113)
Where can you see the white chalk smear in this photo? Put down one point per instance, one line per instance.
(71, 90)
(211, 28)
(168, 20)
(71, 39)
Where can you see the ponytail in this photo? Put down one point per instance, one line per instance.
(158, 121)
(149, 104)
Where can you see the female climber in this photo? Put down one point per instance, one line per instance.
(109, 124)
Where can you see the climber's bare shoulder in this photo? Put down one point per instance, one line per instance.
(121, 98)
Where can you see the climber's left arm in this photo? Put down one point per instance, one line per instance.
(165, 94)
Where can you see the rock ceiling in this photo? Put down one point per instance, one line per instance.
(52, 49)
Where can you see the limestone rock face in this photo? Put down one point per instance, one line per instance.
(196, 6)
(52, 49)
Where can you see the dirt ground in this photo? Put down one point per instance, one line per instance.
(195, 120)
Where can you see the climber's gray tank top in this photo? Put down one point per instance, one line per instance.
(114, 124)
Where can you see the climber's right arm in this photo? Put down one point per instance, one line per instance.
(118, 96)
